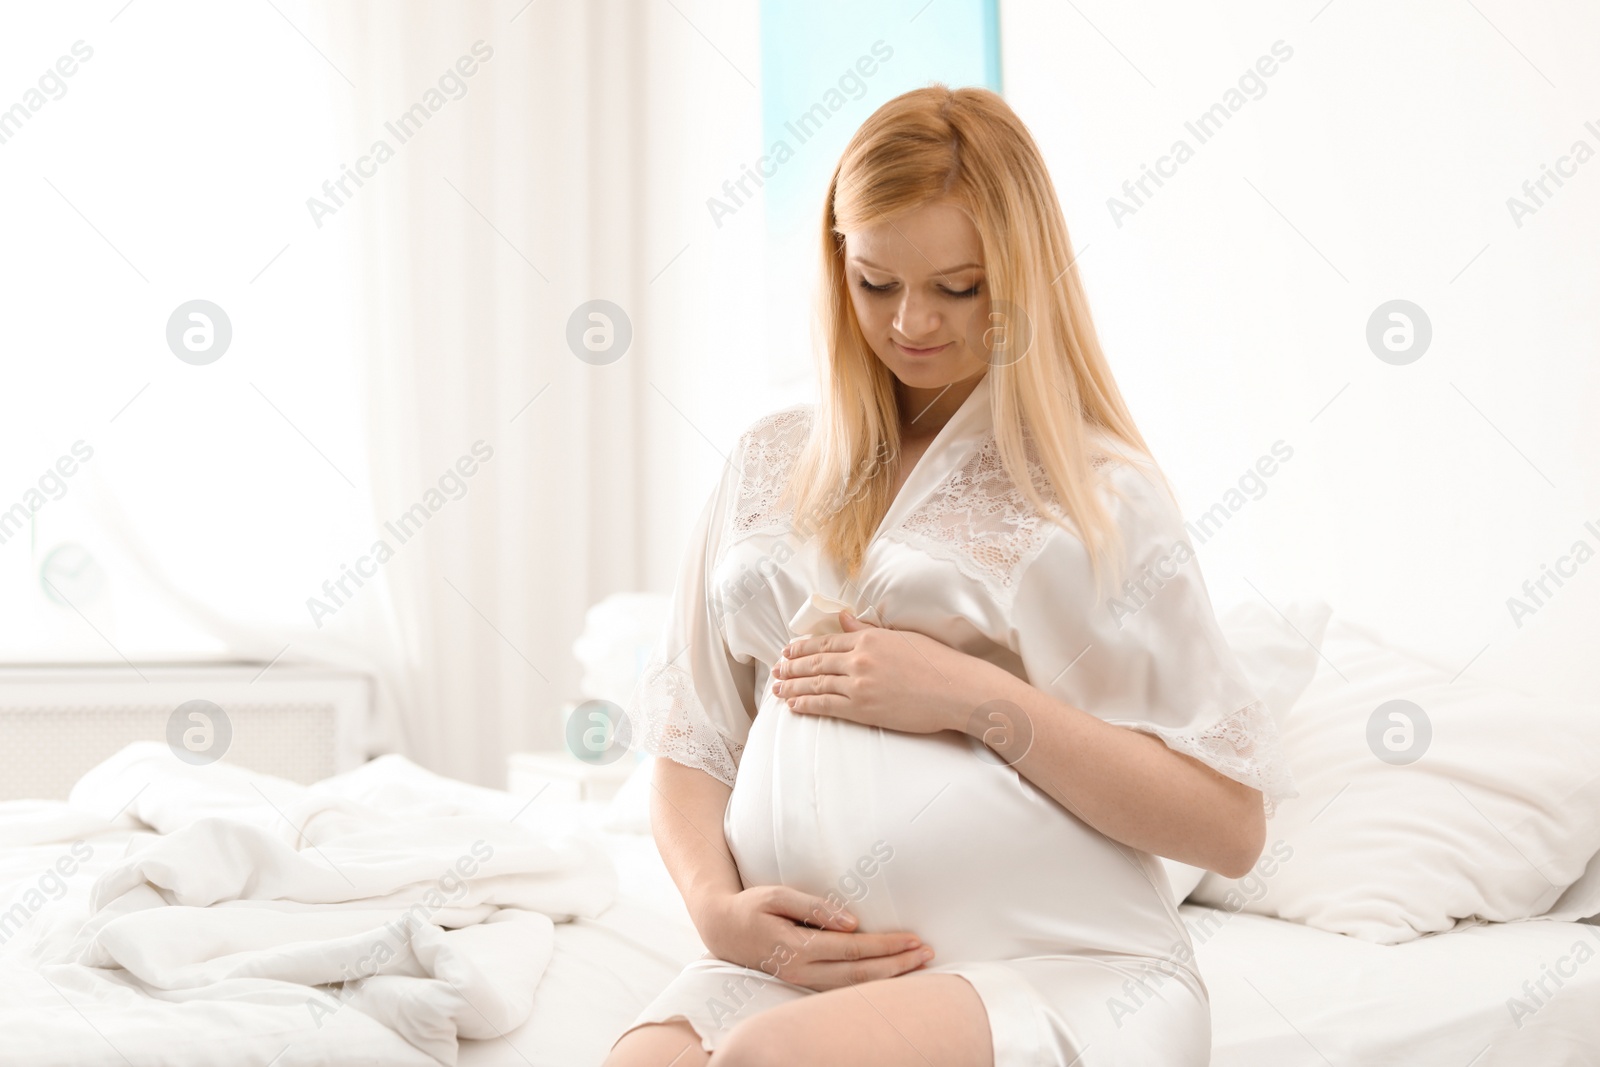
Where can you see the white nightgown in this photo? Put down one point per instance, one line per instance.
(1070, 939)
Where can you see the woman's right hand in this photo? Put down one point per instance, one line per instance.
(761, 928)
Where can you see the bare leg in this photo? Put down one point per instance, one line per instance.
(670, 1044)
(920, 1019)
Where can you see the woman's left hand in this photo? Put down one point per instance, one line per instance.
(879, 676)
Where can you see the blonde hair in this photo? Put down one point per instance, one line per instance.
(968, 147)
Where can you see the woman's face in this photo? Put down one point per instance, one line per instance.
(919, 291)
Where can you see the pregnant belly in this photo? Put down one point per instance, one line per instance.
(933, 834)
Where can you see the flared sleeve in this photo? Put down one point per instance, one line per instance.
(695, 700)
(1150, 654)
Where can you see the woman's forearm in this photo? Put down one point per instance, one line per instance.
(686, 812)
(1128, 785)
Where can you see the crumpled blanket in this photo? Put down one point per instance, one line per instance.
(377, 916)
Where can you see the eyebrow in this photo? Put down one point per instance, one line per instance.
(946, 270)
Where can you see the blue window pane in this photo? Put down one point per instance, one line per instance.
(826, 66)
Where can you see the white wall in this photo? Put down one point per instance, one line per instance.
(1234, 302)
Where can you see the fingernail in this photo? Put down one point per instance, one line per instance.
(927, 954)
(848, 920)
(913, 943)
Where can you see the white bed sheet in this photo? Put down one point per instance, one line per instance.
(1282, 994)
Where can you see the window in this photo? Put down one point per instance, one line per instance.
(156, 155)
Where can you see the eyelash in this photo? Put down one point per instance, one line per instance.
(965, 293)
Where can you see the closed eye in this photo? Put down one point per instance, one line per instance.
(964, 293)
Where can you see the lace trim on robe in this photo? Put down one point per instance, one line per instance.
(670, 721)
(979, 520)
(1243, 746)
(668, 717)
(767, 451)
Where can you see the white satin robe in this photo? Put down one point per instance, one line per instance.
(1070, 939)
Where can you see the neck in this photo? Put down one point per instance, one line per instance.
(923, 412)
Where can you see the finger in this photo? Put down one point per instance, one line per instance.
(813, 685)
(811, 644)
(830, 705)
(803, 907)
(801, 646)
(833, 705)
(829, 946)
(833, 975)
(816, 663)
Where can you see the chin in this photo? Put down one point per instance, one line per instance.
(932, 373)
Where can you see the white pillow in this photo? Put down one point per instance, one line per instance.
(1581, 900)
(1184, 878)
(1493, 817)
(1278, 653)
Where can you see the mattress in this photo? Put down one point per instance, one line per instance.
(1282, 994)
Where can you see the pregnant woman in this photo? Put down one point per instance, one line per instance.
(941, 677)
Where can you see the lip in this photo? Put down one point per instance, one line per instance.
(917, 353)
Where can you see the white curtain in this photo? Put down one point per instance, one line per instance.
(571, 164)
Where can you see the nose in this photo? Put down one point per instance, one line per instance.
(916, 318)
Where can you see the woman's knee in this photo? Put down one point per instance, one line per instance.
(672, 1042)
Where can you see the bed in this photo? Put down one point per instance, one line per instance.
(175, 914)
(1283, 993)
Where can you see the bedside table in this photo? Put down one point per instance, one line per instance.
(564, 777)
